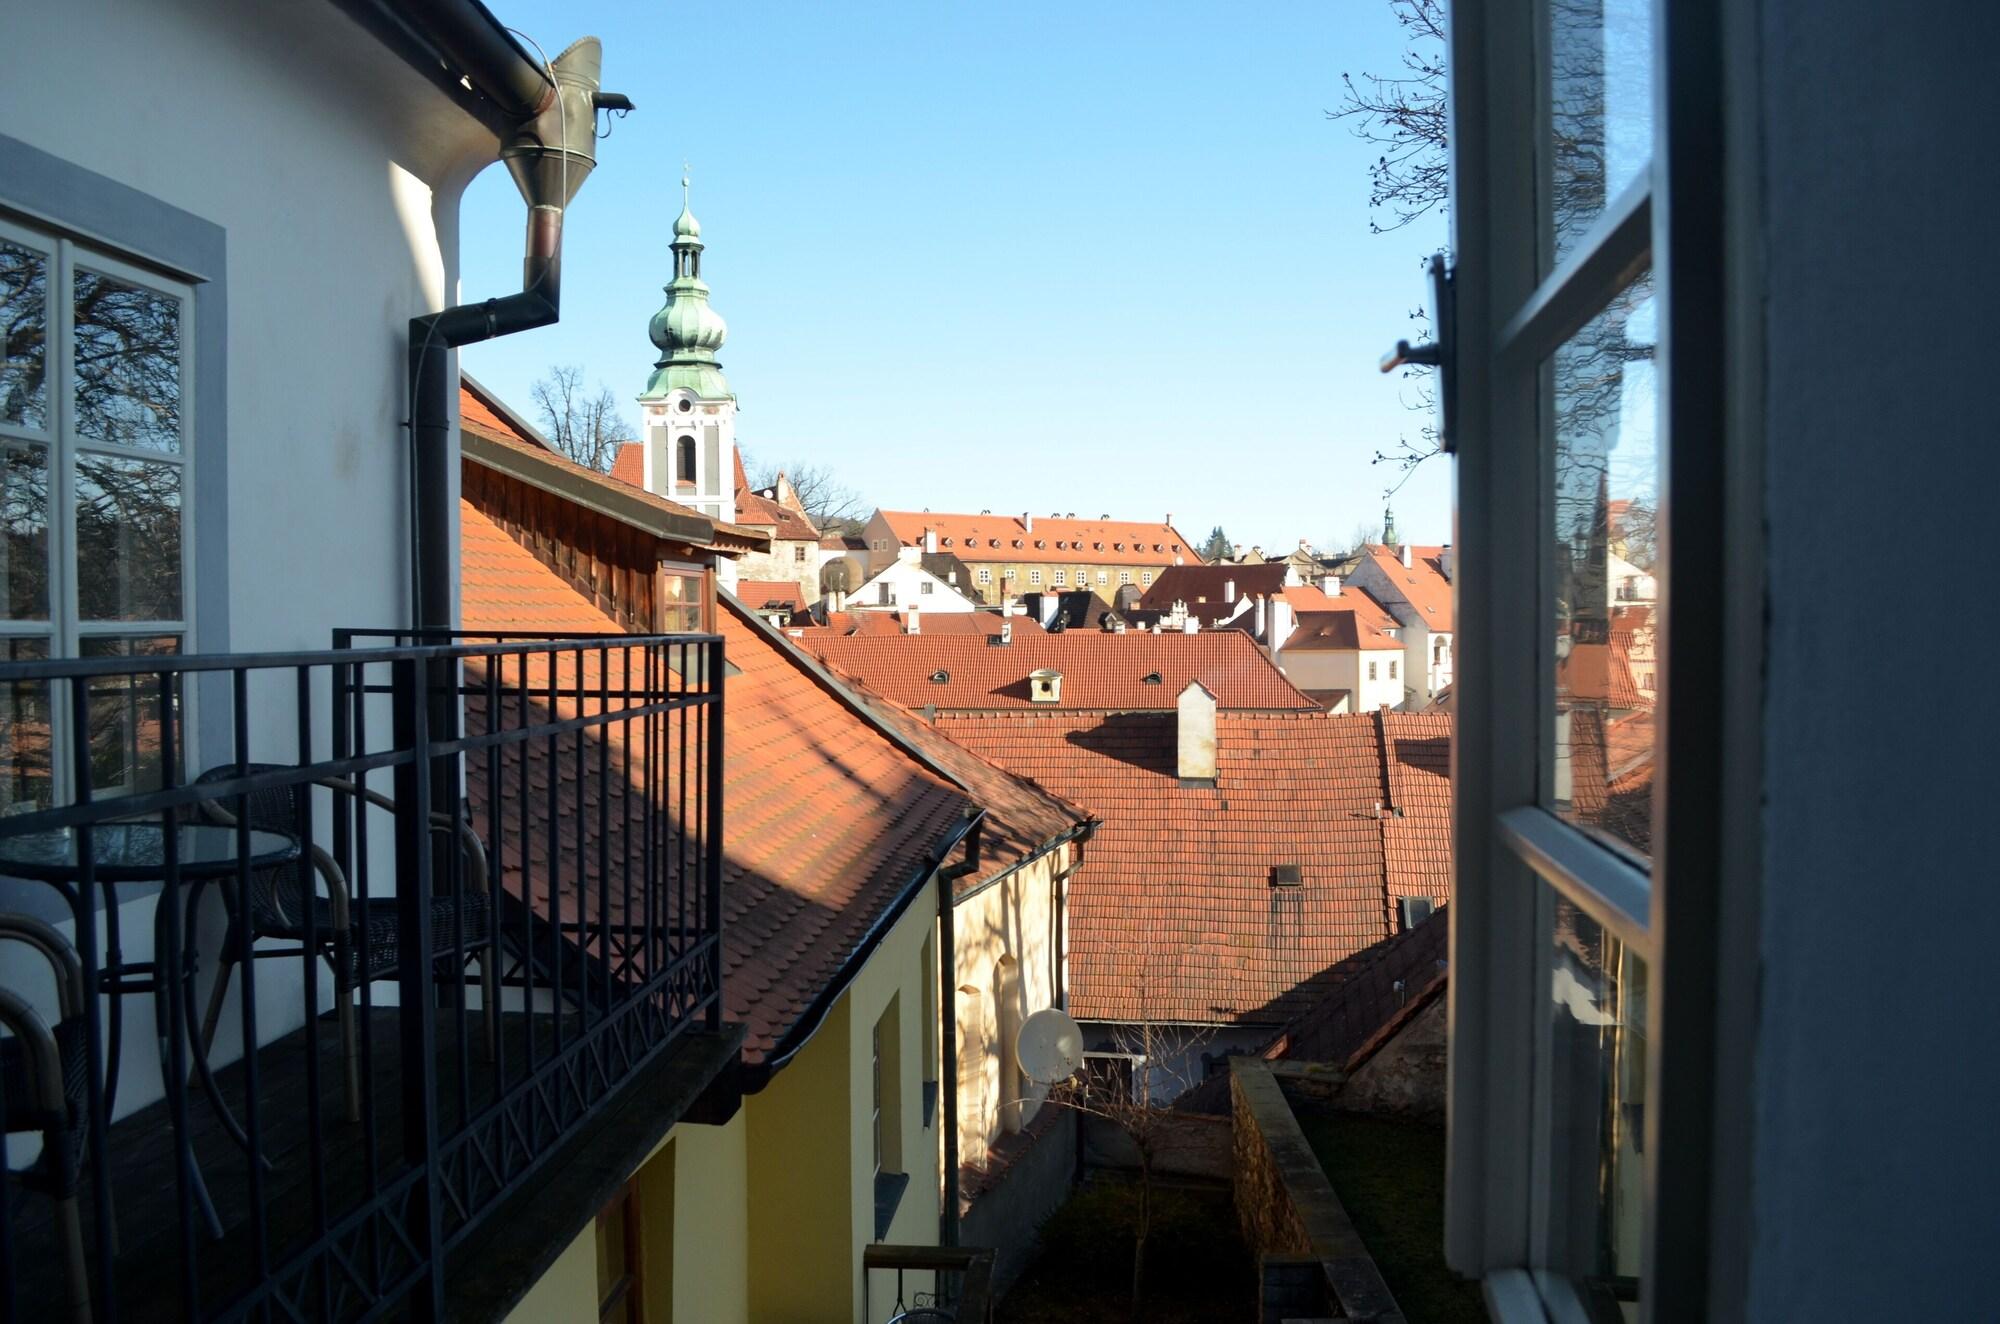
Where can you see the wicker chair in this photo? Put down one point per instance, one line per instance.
(360, 941)
(43, 1079)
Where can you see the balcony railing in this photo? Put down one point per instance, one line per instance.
(462, 891)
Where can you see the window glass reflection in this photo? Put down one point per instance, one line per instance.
(128, 539)
(1597, 1093)
(126, 739)
(24, 532)
(1608, 579)
(26, 772)
(1600, 108)
(127, 347)
(24, 326)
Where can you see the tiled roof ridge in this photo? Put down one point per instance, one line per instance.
(836, 685)
(1027, 783)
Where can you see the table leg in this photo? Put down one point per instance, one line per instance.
(203, 1072)
(166, 983)
(114, 960)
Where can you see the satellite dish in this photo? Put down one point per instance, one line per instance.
(1050, 1046)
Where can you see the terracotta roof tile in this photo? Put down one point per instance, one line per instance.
(1213, 592)
(1335, 631)
(771, 594)
(1172, 914)
(1422, 582)
(827, 819)
(755, 509)
(1055, 541)
(1100, 671)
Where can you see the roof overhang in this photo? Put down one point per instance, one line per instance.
(463, 51)
(526, 467)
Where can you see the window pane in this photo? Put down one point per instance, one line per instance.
(24, 531)
(26, 779)
(1597, 1092)
(1607, 580)
(1600, 108)
(126, 741)
(24, 324)
(128, 539)
(127, 345)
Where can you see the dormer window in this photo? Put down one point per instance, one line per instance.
(944, 542)
(1150, 678)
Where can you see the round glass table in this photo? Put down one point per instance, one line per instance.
(139, 852)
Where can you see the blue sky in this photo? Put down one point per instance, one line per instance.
(1106, 257)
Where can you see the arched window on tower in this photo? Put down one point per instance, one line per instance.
(684, 464)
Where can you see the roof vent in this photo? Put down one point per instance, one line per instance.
(1045, 685)
(1287, 875)
(940, 677)
(1150, 678)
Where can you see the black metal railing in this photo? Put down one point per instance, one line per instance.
(452, 891)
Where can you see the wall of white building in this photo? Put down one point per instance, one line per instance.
(283, 162)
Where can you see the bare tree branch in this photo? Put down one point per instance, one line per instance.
(829, 503)
(585, 427)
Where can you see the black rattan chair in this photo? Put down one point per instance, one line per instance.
(43, 1080)
(360, 941)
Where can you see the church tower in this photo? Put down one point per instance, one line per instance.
(687, 410)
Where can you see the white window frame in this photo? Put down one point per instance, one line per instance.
(1683, 219)
(985, 575)
(1124, 576)
(65, 629)
(1034, 576)
(1058, 578)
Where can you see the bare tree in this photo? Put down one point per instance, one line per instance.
(1405, 116)
(587, 428)
(829, 503)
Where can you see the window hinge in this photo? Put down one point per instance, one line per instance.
(1440, 353)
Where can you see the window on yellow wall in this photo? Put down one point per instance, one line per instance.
(929, 1036)
(621, 1283)
(886, 1114)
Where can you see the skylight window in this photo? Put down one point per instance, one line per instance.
(1150, 678)
(940, 677)
(1287, 875)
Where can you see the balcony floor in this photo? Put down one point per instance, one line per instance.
(143, 1171)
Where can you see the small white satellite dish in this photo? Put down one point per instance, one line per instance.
(1049, 1046)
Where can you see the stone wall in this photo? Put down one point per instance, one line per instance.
(1290, 1216)
(1406, 1076)
(1006, 1204)
(1185, 1146)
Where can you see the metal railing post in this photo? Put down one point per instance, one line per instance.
(415, 1015)
(712, 838)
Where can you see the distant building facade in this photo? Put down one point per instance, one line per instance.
(1009, 555)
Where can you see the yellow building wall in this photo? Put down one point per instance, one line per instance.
(710, 1227)
(896, 971)
(800, 1173)
(1013, 920)
(568, 1291)
(1012, 577)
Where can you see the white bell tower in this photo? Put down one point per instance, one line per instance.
(687, 410)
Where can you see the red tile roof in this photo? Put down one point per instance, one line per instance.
(869, 624)
(1172, 914)
(976, 538)
(1100, 671)
(1422, 582)
(628, 465)
(827, 819)
(1336, 630)
(761, 511)
(1206, 589)
(1600, 673)
(771, 594)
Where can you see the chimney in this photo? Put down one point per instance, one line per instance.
(1447, 562)
(1330, 585)
(1006, 633)
(1045, 686)
(1169, 519)
(1229, 590)
(1028, 521)
(930, 540)
(1281, 625)
(1192, 625)
(1197, 733)
(912, 621)
(1406, 556)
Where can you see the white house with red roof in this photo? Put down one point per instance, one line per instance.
(1414, 584)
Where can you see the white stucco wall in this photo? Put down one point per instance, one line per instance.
(905, 580)
(334, 173)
